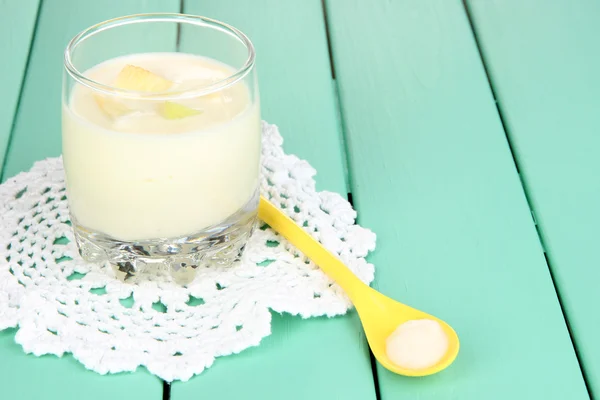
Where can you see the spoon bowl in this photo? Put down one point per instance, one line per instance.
(379, 314)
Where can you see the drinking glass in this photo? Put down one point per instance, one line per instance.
(161, 135)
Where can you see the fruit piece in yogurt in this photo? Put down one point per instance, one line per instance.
(111, 107)
(171, 110)
(139, 79)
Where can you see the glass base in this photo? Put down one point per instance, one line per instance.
(220, 244)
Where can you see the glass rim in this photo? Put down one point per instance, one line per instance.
(197, 20)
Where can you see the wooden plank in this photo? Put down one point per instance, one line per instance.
(48, 377)
(317, 358)
(17, 20)
(543, 60)
(37, 135)
(433, 175)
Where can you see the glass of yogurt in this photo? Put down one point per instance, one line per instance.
(161, 136)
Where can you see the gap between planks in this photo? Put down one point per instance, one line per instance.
(344, 141)
(18, 106)
(166, 394)
(325, 19)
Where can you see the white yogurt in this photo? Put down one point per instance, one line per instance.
(142, 176)
(417, 344)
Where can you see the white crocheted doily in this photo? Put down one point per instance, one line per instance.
(62, 304)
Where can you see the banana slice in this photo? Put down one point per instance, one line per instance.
(170, 110)
(111, 107)
(139, 79)
(136, 78)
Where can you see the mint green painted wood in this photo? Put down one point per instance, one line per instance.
(317, 359)
(17, 20)
(37, 135)
(28, 377)
(302, 359)
(544, 64)
(432, 174)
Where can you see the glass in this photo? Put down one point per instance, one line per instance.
(161, 143)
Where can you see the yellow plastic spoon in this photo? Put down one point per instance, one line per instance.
(380, 315)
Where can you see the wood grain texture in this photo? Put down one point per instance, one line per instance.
(17, 20)
(544, 64)
(318, 358)
(433, 176)
(51, 378)
(37, 135)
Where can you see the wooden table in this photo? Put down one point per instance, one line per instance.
(468, 137)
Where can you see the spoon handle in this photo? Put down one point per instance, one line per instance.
(329, 263)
